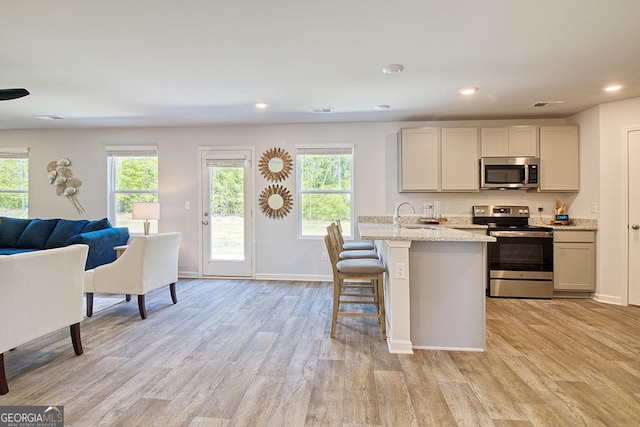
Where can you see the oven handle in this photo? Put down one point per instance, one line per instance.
(538, 234)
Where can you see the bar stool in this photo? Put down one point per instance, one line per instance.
(351, 293)
(334, 232)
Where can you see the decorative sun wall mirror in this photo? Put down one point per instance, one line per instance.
(275, 201)
(275, 164)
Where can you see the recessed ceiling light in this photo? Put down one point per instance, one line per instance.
(613, 88)
(468, 90)
(321, 109)
(261, 105)
(393, 69)
(48, 117)
(382, 107)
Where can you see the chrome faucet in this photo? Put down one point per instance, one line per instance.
(396, 215)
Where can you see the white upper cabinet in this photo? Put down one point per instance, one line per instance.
(419, 155)
(514, 141)
(434, 159)
(559, 158)
(459, 166)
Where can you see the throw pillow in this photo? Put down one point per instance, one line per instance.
(100, 224)
(10, 230)
(65, 229)
(36, 234)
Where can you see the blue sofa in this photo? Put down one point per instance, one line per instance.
(27, 235)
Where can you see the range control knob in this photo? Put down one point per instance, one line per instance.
(520, 211)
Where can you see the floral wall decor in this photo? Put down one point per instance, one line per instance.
(61, 176)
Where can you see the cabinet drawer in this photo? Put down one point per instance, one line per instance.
(574, 236)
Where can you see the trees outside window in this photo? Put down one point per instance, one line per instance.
(133, 177)
(14, 183)
(325, 188)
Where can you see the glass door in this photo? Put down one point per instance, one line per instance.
(227, 213)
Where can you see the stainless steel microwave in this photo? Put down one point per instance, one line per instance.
(509, 172)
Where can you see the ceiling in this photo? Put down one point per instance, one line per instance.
(203, 62)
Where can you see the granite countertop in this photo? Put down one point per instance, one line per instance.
(418, 232)
(464, 222)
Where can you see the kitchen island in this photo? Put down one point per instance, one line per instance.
(434, 285)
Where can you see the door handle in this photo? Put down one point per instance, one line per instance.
(635, 226)
(205, 222)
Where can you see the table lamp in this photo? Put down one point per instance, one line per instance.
(146, 211)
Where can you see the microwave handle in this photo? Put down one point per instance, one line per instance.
(526, 174)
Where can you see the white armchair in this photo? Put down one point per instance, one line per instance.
(149, 262)
(41, 292)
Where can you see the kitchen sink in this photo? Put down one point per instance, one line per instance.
(420, 226)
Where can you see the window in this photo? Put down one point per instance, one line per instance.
(132, 176)
(14, 182)
(325, 188)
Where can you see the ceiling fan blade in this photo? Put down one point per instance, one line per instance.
(7, 94)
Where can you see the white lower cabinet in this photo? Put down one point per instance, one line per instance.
(574, 261)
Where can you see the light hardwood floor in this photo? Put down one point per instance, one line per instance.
(251, 353)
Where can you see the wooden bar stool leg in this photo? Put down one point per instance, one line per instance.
(381, 311)
(336, 303)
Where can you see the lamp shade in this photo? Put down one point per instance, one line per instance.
(146, 211)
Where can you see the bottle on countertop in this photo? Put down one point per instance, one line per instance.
(427, 210)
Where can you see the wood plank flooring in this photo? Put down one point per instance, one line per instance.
(252, 353)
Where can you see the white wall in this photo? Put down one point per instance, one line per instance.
(612, 221)
(279, 253)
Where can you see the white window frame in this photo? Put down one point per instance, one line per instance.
(328, 149)
(124, 151)
(16, 153)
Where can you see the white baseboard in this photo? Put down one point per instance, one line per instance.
(608, 299)
(294, 277)
(264, 276)
(399, 346)
(188, 275)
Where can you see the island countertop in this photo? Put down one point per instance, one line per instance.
(418, 232)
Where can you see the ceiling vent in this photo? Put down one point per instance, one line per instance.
(545, 103)
(48, 117)
(321, 109)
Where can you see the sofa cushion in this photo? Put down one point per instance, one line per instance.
(36, 234)
(10, 230)
(100, 224)
(65, 229)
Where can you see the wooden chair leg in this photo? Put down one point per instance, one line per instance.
(75, 338)
(141, 307)
(4, 388)
(89, 304)
(172, 289)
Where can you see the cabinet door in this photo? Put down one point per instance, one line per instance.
(495, 142)
(574, 267)
(523, 141)
(559, 159)
(459, 159)
(419, 155)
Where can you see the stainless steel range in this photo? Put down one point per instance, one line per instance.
(521, 260)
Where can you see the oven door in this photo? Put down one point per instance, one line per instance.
(525, 255)
(520, 265)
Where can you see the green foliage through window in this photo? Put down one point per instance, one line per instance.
(14, 187)
(325, 191)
